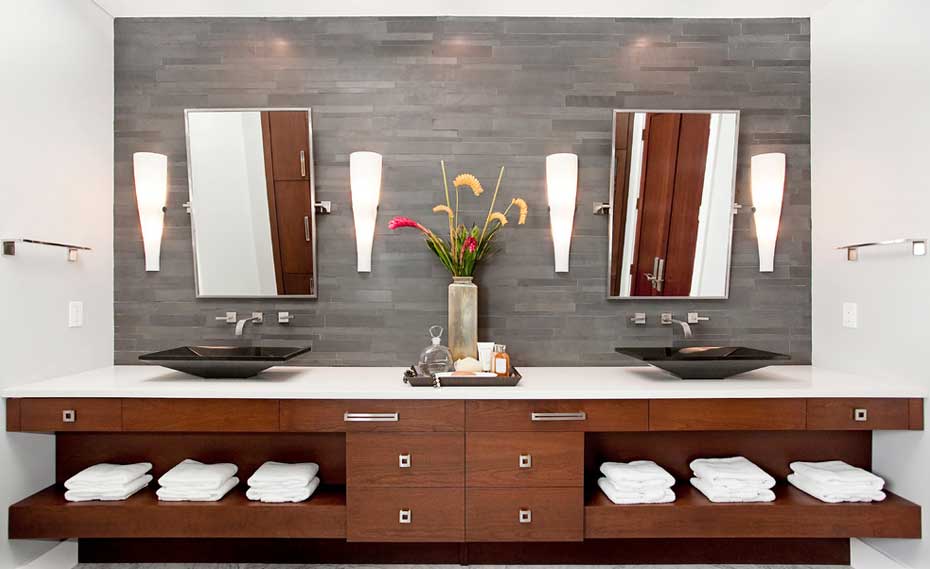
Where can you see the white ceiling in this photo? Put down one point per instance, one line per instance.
(581, 8)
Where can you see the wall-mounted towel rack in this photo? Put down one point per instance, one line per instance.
(918, 247)
(9, 247)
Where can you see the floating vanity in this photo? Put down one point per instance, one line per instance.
(462, 475)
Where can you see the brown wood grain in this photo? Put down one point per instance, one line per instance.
(76, 451)
(436, 460)
(492, 459)
(915, 414)
(47, 515)
(772, 451)
(437, 515)
(726, 414)
(200, 415)
(289, 136)
(328, 415)
(45, 415)
(492, 514)
(514, 415)
(272, 204)
(793, 514)
(837, 414)
(13, 415)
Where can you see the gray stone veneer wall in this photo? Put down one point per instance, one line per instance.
(479, 93)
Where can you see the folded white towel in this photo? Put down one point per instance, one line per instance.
(176, 494)
(193, 475)
(283, 475)
(107, 475)
(722, 495)
(659, 496)
(283, 495)
(109, 493)
(832, 495)
(838, 472)
(639, 473)
(736, 471)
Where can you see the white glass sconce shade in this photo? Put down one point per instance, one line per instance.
(768, 189)
(365, 179)
(150, 171)
(562, 189)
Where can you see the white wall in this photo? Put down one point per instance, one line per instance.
(870, 91)
(56, 159)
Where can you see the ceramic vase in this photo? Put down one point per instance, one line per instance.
(463, 318)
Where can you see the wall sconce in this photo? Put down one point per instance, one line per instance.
(562, 188)
(151, 174)
(768, 188)
(365, 179)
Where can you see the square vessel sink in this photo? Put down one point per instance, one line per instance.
(704, 362)
(222, 361)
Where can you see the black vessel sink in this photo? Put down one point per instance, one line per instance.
(704, 362)
(222, 361)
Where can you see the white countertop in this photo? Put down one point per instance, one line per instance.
(537, 383)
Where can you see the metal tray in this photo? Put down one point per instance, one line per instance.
(413, 380)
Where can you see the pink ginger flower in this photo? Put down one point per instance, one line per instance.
(471, 244)
(401, 221)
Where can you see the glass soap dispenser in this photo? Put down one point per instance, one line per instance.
(436, 358)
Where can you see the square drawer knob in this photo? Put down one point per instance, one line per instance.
(861, 415)
(526, 516)
(526, 461)
(68, 416)
(405, 516)
(403, 461)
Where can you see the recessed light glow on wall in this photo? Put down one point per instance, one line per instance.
(151, 175)
(768, 188)
(365, 179)
(562, 188)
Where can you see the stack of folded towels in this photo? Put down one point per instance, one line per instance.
(835, 481)
(637, 482)
(733, 479)
(278, 482)
(192, 481)
(108, 482)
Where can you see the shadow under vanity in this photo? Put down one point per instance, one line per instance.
(421, 480)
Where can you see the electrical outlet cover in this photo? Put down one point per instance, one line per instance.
(850, 315)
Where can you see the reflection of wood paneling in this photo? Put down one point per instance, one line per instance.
(623, 152)
(285, 137)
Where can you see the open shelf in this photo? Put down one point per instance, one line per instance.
(47, 515)
(793, 514)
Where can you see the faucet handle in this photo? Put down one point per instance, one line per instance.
(285, 317)
(230, 318)
(258, 317)
(695, 317)
(665, 318)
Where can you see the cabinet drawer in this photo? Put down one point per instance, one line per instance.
(537, 514)
(524, 459)
(405, 459)
(373, 415)
(857, 414)
(405, 514)
(727, 415)
(50, 415)
(200, 415)
(562, 415)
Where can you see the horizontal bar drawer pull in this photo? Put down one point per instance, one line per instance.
(405, 516)
(68, 416)
(526, 461)
(576, 416)
(371, 417)
(403, 461)
(526, 516)
(861, 415)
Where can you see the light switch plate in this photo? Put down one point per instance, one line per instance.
(75, 314)
(850, 315)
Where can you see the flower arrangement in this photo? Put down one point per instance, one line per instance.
(465, 246)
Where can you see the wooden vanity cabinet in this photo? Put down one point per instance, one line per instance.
(71, 414)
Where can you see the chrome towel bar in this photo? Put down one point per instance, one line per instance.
(9, 247)
(918, 247)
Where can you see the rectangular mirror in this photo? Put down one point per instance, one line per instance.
(250, 173)
(673, 183)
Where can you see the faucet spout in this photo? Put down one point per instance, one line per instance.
(685, 328)
(240, 325)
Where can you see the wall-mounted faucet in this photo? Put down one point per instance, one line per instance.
(666, 319)
(257, 318)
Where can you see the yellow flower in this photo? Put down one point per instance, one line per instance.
(443, 209)
(498, 216)
(520, 203)
(470, 181)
